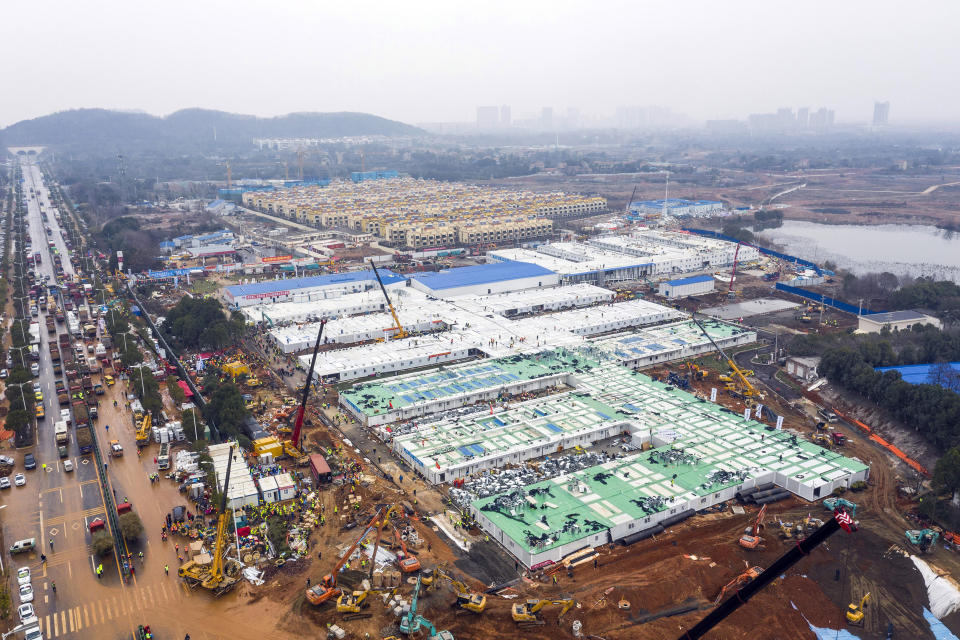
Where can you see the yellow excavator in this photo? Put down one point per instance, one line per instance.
(143, 431)
(527, 613)
(221, 574)
(352, 602)
(466, 599)
(855, 611)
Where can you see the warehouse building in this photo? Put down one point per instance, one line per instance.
(579, 263)
(894, 321)
(644, 347)
(484, 279)
(676, 207)
(686, 287)
(306, 289)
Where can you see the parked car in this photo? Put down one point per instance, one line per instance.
(68, 465)
(5, 482)
(26, 593)
(34, 369)
(29, 462)
(26, 612)
(20, 480)
(20, 546)
(23, 575)
(3, 374)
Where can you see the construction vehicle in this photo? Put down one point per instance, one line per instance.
(832, 504)
(526, 613)
(407, 561)
(143, 431)
(922, 539)
(466, 599)
(253, 382)
(411, 622)
(397, 328)
(741, 386)
(747, 576)
(793, 555)
(222, 574)
(292, 447)
(327, 587)
(733, 273)
(855, 611)
(789, 530)
(751, 540)
(352, 602)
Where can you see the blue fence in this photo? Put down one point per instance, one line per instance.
(819, 297)
(768, 252)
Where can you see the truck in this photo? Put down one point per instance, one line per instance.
(98, 388)
(80, 416)
(87, 384)
(94, 366)
(84, 316)
(64, 340)
(54, 352)
(59, 314)
(90, 330)
(84, 439)
(60, 432)
(51, 325)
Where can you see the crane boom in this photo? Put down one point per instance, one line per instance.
(775, 570)
(298, 424)
(733, 273)
(216, 569)
(400, 332)
(730, 363)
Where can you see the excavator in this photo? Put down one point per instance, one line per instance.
(327, 587)
(351, 603)
(398, 329)
(466, 599)
(143, 431)
(739, 386)
(526, 613)
(855, 611)
(408, 562)
(413, 621)
(222, 574)
(739, 581)
(752, 540)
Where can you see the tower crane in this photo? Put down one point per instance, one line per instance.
(733, 272)
(400, 333)
(298, 422)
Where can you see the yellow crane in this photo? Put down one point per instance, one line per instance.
(855, 611)
(400, 333)
(739, 383)
(143, 431)
(220, 576)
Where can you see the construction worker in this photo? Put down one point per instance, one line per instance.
(53, 585)
(166, 569)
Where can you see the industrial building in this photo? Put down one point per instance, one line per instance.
(685, 287)
(653, 345)
(675, 207)
(579, 263)
(306, 289)
(894, 321)
(497, 277)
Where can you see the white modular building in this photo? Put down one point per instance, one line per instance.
(307, 288)
(685, 287)
(484, 279)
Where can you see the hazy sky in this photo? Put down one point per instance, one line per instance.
(423, 61)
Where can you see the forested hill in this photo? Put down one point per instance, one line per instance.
(187, 130)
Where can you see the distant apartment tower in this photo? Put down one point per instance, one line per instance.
(488, 118)
(803, 117)
(546, 119)
(881, 114)
(505, 116)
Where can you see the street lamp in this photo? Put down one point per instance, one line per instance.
(22, 397)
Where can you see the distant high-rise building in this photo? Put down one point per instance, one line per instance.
(505, 116)
(803, 117)
(488, 118)
(546, 119)
(881, 114)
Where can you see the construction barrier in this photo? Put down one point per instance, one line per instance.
(830, 302)
(913, 464)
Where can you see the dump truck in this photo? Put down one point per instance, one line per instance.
(84, 439)
(51, 325)
(54, 352)
(87, 383)
(60, 432)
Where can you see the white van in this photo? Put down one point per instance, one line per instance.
(163, 458)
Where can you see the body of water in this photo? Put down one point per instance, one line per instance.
(900, 249)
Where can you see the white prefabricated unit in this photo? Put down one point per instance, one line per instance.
(484, 279)
(685, 287)
(286, 487)
(268, 489)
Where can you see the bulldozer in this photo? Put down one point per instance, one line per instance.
(855, 611)
(527, 613)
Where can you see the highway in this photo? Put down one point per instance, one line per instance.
(57, 506)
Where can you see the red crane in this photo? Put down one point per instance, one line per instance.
(733, 274)
(298, 424)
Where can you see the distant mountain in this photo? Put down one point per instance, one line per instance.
(188, 130)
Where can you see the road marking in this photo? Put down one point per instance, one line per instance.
(70, 569)
(63, 621)
(70, 618)
(86, 615)
(109, 611)
(41, 529)
(99, 611)
(55, 626)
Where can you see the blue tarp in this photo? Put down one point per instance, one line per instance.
(830, 302)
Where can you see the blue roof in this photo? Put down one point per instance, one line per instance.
(690, 280)
(291, 284)
(167, 243)
(918, 373)
(480, 274)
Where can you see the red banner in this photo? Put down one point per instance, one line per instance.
(276, 258)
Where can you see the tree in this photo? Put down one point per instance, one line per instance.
(130, 526)
(102, 543)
